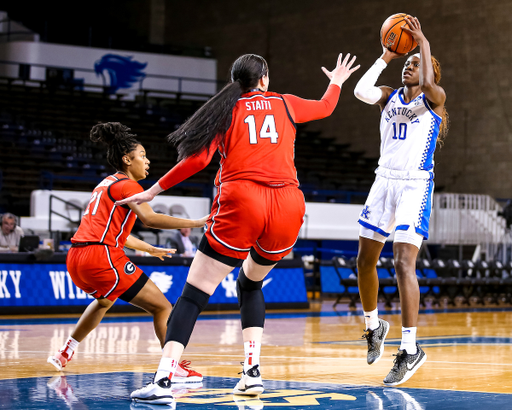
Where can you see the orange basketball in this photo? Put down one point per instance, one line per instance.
(394, 38)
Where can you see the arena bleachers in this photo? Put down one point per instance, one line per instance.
(45, 145)
(440, 281)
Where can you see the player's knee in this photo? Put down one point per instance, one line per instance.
(365, 265)
(247, 284)
(404, 266)
(251, 301)
(184, 315)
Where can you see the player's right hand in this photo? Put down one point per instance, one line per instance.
(388, 55)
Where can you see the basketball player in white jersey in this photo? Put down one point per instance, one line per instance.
(413, 119)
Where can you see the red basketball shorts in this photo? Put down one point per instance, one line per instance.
(246, 214)
(101, 270)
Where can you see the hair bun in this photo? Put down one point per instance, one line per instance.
(108, 132)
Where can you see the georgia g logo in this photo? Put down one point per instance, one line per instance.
(129, 268)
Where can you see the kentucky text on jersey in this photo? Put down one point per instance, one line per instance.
(258, 105)
(403, 111)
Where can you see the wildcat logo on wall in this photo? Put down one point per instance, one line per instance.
(123, 72)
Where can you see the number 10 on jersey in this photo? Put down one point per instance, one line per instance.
(402, 131)
(268, 129)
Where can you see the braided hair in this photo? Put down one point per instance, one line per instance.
(118, 139)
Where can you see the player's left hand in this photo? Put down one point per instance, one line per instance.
(414, 29)
(138, 199)
(161, 253)
(201, 222)
(342, 71)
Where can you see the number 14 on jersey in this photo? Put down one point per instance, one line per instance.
(268, 129)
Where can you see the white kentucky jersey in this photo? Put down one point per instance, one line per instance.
(408, 133)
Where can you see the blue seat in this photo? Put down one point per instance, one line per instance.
(329, 280)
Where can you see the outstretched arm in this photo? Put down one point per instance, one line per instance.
(310, 110)
(184, 169)
(434, 93)
(161, 221)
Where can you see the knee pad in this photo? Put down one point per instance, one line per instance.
(184, 314)
(250, 301)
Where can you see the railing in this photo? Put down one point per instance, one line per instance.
(175, 85)
(67, 218)
(467, 219)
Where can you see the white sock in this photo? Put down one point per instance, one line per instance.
(409, 340)
(252, 354)
(371, 319)
(70, 346)
(166, 368)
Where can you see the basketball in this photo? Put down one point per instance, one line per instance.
(394, 38)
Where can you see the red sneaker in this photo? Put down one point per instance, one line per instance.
(184, 374)
(60, 360)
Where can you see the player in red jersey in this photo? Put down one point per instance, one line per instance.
(257, 212)
(96, 261)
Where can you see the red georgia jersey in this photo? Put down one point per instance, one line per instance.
(103, 221)
(260, 143)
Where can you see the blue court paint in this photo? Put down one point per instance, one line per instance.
(436, 341)
(227, 316)
(112, 390)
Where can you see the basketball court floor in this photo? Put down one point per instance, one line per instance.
(312, 359)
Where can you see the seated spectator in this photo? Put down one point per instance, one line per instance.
(184, 244)
(11, 233)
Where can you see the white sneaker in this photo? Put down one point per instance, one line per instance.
(250, 384)
(154, 393)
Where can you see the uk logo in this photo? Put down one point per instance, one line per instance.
(162, 281)
(229, 284)
(365, 213)
(123, 72)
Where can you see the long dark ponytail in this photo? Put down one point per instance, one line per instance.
(213, 119)
(119, 141)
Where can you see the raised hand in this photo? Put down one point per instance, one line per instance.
(342, 71)
(414, 29)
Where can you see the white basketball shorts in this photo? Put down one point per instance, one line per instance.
(400, 200)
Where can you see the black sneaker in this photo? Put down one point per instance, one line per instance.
(375, 339)
(404, 366)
